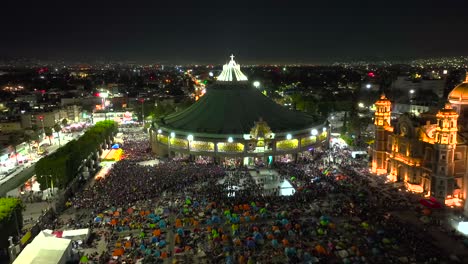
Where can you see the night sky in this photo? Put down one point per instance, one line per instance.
(255, 31)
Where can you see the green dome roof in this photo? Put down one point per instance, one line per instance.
(233, 107)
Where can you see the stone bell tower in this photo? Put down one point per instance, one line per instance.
(382, 130)
(442, 180)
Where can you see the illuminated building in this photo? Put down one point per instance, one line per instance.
(429, 152)
(234, 121)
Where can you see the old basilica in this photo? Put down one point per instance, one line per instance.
(428, 153)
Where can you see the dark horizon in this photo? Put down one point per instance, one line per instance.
(207, 33)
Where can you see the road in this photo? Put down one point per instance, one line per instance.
(25, 172)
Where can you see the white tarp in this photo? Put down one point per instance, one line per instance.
(45, 249)
(77, 234)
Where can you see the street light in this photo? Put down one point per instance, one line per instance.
(361, 105)
(142, 100)
(103, 96)
(256, 84)
(314, 132)
(42, 122)
(288, 136)
(190, 137)
(47, 184)
(171, 136)
(159, 131)
(230, 139)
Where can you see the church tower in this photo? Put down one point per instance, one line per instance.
(442, 180)
(382, 130)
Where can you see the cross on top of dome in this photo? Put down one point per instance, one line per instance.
(231, 70)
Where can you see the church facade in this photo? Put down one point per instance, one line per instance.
(428, 153)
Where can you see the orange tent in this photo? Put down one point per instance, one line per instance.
(320, 250)
(157, 232)
(130, 210)
(118, 252)
(116, 213)
(178, 223)
(128, 244)
(114, 222)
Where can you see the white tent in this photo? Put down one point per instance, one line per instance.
(45, 250)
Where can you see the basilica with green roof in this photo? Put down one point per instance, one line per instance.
(235, 121)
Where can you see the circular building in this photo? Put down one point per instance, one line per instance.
(235, 121)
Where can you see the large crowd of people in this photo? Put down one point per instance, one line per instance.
(203, 213)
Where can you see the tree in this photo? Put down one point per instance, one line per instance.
(14, 140)
(64, 122)
(62, 166)
(48, 132)
(57, 129)
(11, 219)
(31, 137)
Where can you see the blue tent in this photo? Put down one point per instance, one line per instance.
(115, 146)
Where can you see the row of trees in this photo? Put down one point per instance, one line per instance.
(61, 167)
(11, 219)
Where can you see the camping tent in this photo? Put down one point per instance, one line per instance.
(45, 249)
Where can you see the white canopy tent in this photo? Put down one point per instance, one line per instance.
(45, 249)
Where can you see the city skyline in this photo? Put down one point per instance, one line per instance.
(261, 32)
